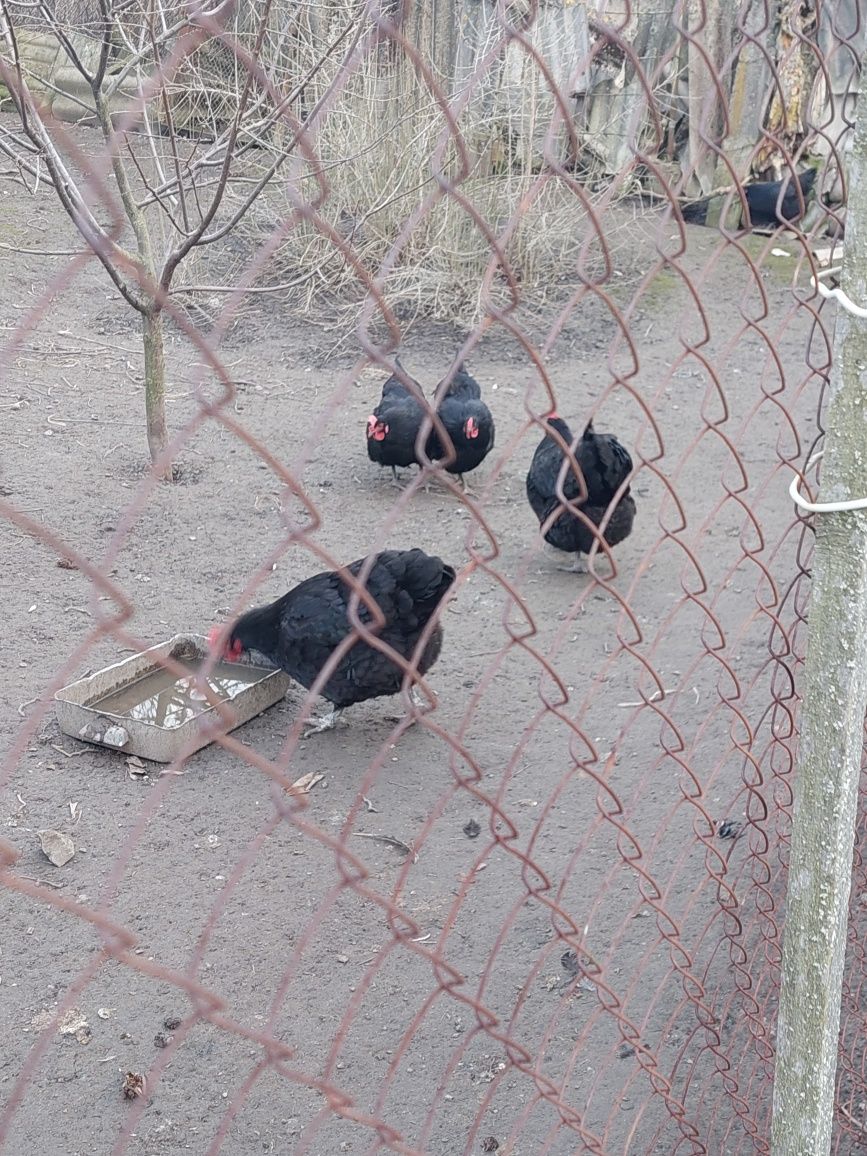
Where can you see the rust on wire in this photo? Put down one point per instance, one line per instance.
(563, 929)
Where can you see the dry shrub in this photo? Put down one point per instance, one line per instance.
(382, 158)
(415, 207)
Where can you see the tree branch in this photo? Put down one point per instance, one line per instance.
(177, 255)
(105, 46)
(58, 31)
(287, 151)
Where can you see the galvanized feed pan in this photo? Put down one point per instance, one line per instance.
(102, 707)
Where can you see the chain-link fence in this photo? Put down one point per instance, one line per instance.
(547, 917)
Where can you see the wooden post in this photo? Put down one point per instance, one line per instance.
(832, 732)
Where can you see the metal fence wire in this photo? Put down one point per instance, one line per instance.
(547, 917)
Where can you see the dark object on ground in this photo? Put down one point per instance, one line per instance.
(730, 828)
(569, 962)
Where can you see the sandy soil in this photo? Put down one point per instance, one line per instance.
(595, 815)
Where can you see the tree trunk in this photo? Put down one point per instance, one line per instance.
(155, 385)
(832, 732)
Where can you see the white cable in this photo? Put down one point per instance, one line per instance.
(837, 294)
(822, 507)
(794, 489)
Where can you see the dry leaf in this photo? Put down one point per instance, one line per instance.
(57, 847)
(306, 783)
(390, 840)
(133, 1085)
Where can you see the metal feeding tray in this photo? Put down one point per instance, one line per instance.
(138, 707)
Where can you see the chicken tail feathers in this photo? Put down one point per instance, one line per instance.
(463, 385)
(426, 578)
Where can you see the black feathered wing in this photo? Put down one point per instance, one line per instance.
(314, 619)
(605, 465)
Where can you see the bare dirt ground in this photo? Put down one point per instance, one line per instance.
(268, 915)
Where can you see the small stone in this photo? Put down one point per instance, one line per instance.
(115, 736)
(57, 847)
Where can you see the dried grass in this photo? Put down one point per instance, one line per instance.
(394, 174)
(384, 161)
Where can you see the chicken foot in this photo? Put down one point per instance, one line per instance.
(418, 700)
(577, 567)
(322, 722)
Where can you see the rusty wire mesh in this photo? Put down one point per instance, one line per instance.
(594, 966)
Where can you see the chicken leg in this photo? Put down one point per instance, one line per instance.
(417, 698)
(577, 567)
(322, 722)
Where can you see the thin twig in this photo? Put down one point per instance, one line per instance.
(858, 1123)
(44, 252)
(390, 840)
(44, 882)
(655, 697)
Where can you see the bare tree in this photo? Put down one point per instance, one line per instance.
(195, 126)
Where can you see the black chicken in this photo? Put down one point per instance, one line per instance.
(762, 199)
(468, 422)
(605, 465)
(393, 426)
(300, 631)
